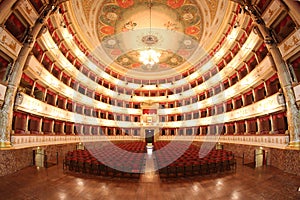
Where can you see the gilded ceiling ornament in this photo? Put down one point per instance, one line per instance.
(116, 52)
(175, 3)
(171, 26)
(213, 6)
(86, 7)
(190, 14)
(107, 30)
(150, 39)
(110, 14)
(130, 25)
(187, 42)
(110, 43)
(192, 30)
(125, 3)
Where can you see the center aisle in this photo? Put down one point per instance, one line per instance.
(150, 174)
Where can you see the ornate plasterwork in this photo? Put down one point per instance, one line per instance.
(198, 20)
(86, 6)
(213, 6)
(290, 44)
(122, 17)
(29, 12)
(9, 42)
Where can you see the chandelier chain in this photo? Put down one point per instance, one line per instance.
(150, 16)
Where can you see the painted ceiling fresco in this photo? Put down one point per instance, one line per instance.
(122, 21)
(174, 28)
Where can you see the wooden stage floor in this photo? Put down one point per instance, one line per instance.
(246, 183)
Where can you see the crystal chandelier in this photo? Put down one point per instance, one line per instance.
(149, 57)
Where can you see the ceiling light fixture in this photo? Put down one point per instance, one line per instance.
(149, 57)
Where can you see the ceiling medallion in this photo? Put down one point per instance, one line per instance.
(149, 39)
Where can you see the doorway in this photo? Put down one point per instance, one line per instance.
(39, 157)
(260, 157)
(149, 135)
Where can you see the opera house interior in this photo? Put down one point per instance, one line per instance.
(150, 99)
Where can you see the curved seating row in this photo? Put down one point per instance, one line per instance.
(172, 162)
(107, 159)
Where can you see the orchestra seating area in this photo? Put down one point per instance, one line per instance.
(107, 159)
(194, 161)
(127, 159)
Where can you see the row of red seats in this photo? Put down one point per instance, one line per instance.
(173, 162)
(108, 159)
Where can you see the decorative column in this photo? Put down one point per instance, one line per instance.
(90, 132)
(272, 125)
(267, 88)
(226, 129)
(237, 128)
(247, 127)
(234, 104)
(26, 124)
(293, 114)
(105, 131)
(40, 126)
(209, 129)
(62, 129)
(6, 112)
(258, 126)
(32, 89)
(52, 127)
(247, 67)
(243, 100)
(45, 95)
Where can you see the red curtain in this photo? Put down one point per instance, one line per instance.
(69, 128)
(47, 126)
(20, 123)
(149, 111)
(34, 124)
(58, 127)
(279, 122)
(265, 125)
(229, 128)
(252, 126)
(15, 27)
(240, 127)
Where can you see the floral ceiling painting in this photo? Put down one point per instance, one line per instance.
(171, 27)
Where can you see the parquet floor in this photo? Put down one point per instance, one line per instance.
(246, 183)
